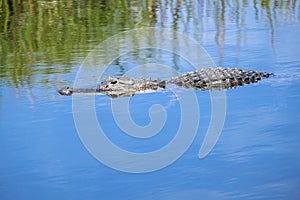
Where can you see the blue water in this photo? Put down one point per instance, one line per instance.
(256, 156)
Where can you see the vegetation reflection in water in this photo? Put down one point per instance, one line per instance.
(43, 38)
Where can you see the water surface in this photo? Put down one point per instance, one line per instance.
(42, 47)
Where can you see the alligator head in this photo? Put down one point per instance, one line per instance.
(118, 84)
(65, 91)
(125, 86)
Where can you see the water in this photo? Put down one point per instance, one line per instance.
(42, 47)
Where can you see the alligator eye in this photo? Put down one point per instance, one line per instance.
(113, 82)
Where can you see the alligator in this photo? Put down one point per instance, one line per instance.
(205, 79)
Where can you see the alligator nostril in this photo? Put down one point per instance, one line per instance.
(113, 82)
